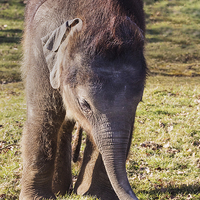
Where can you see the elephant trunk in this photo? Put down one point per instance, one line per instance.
(113, 146)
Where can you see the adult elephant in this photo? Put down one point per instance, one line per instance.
(83, 62)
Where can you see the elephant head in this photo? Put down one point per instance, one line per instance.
(101, 89)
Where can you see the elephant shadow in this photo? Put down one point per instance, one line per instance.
(173, 191)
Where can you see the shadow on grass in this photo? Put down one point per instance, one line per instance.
(178, 74)
(10, 77)
(11, 2)
(193, 189)
(12, 31)
(154, 40)
(16, 17)
(8, 36)
(4, 39)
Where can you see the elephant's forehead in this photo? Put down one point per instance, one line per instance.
(124, 80)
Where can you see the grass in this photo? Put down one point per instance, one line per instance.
(165, 155)
(173, 37)
(164, 161)
(12, 116)
(11, 27)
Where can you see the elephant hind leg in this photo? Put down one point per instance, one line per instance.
(62, 178)
(77, 142)
(93, 179)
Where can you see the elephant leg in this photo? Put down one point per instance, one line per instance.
(129, 142)
(93, 179)
(45, 115)
(77, 143)
(62, 179)
(38, 151)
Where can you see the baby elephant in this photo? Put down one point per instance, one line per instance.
(84, 64)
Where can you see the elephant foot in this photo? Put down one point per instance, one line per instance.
(36, 193)
(93, 179)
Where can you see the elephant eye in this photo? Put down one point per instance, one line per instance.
(85, 106)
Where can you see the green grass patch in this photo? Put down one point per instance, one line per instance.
(12, 117)
(11, 28)
(165, 152)
(173, 37)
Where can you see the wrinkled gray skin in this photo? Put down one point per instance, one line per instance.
(65, 83)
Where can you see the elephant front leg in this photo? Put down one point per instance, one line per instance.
(93, 179)
(39, 144)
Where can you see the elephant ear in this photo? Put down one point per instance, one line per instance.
(51, 44)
